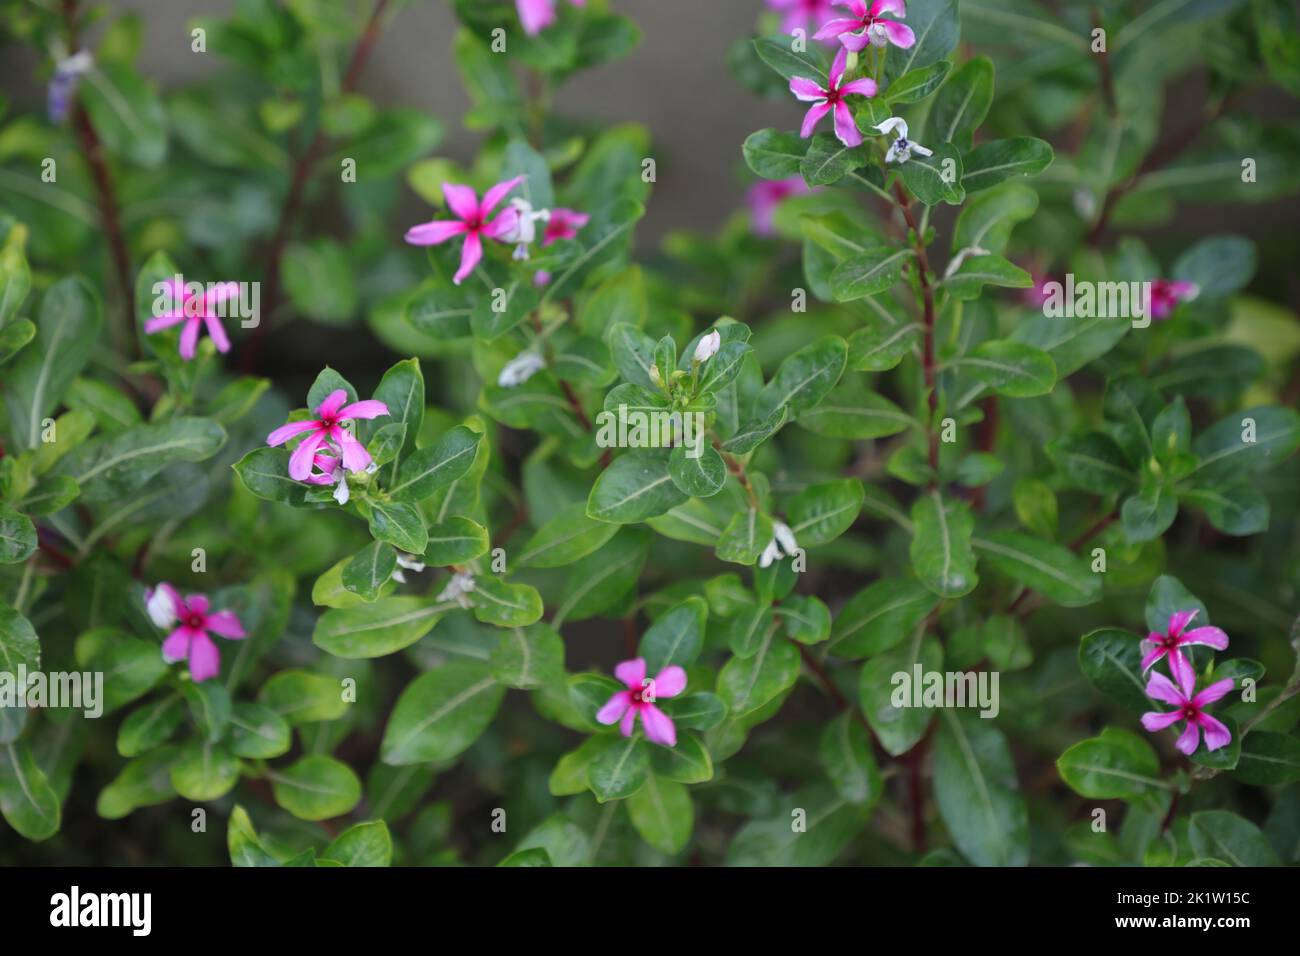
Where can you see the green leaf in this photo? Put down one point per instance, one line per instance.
(987, 220)
(505, 604)
(456, 541)
(941, 546)
(821, 513)
(978, 271)
(528, 658)
(243, 843)
(126, 112)
(400, 524)
(806, 619)
(1228, 837)
(977, 792)
(1050, 569)
(772, 154)
(301, 697)
(149, 725)
(828, 160)
(143, 782)
(118, 466)
(804, 378)
(1236, 509)
(209, 705)
(1148, 514)
(853, 411)
(676, 636)
(961, 105)
(369, 570)
(1009, 368)
(257, 732)
(778, 52)
(17, 536)
(937, 178)
(316, 788)
(700, 476)
(746, 684)
(879, 617)
(1218, 265)
(402, 390)
(845, 753)
(503, 308)
(990, 163)
(1091, 462)
(916, 85)
(437, 466)
(662, 813)
(265, 473)
(68, 330)
(375, 630)
(868, 273)
(567, 537)
(636, 486)
(319, 281)
(204, 771)
(27, 801)
(366, 844)
(746, 535)
(1246, 441)
(1268, 759)
(898, 728)
(441, 713)
(603, 579)
(1117, 765)
(688, 762)
(15, 336)
(1112, 661)
(619, 767)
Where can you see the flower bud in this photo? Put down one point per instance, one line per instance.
(708, 346)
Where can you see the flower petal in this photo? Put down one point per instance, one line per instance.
(301, 459)
(1156, 720)
(470, 254)
(846, 128)
(333, 402)
(205, 659)
(462, 200)
(217, 332)
(1184, 673)
(1216, 733)
(160, 322)
(227, 624)
(806, 90)
(493, 196)
(355, 456)
(1187, 741)
(285, 432)
(896, 8)
(900, 34)
(1215, 691)
(177, 646)
(628, 723)
(1161, 688)
(1151, 657)
(432, 233)
(1180, 619)
(370, 408)
(670, 682)
(812, 117)
(631, 673)
(659, 727)
(614, 708)
(861, 87)
(190, 338)
(1209, 636)
(833, 28)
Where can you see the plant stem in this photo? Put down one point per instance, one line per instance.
(927, 298)
(298, 186)
(92, 151)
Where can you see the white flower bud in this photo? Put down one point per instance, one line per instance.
(708, 346)
(160, 608)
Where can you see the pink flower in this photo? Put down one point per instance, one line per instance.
(867, 26)
(563, 224)
(799, 14)
(1188, 708)
(472, 223)
(327, 429)
(764, 197)
(193, 618)
(537, 15)
(639, 698)
(1176, 637)
(1037, 294)
(1166, 296)
(832, 97)
(194, 311)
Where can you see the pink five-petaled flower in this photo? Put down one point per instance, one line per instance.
(1166, 296)
(764, 197)
(1175, 638)
(798, 14)
(191, 617)
(327, 429)
(563, 224)
(472, 222)
(639, 698)
(537, 15)
(1189, 708)
(868, 25)
(194, 311)
(831, 97)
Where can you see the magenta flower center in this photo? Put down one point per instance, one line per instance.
(638, 695)
(193, 620)
(328, 421)
(1188, 711)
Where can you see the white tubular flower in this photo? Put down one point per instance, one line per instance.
(708, 346)
(341, 489)
(782, 544)
(161, 610)
(460, 585)
(524, 231)
(901, 150)
(410, 562)
(520, 369)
